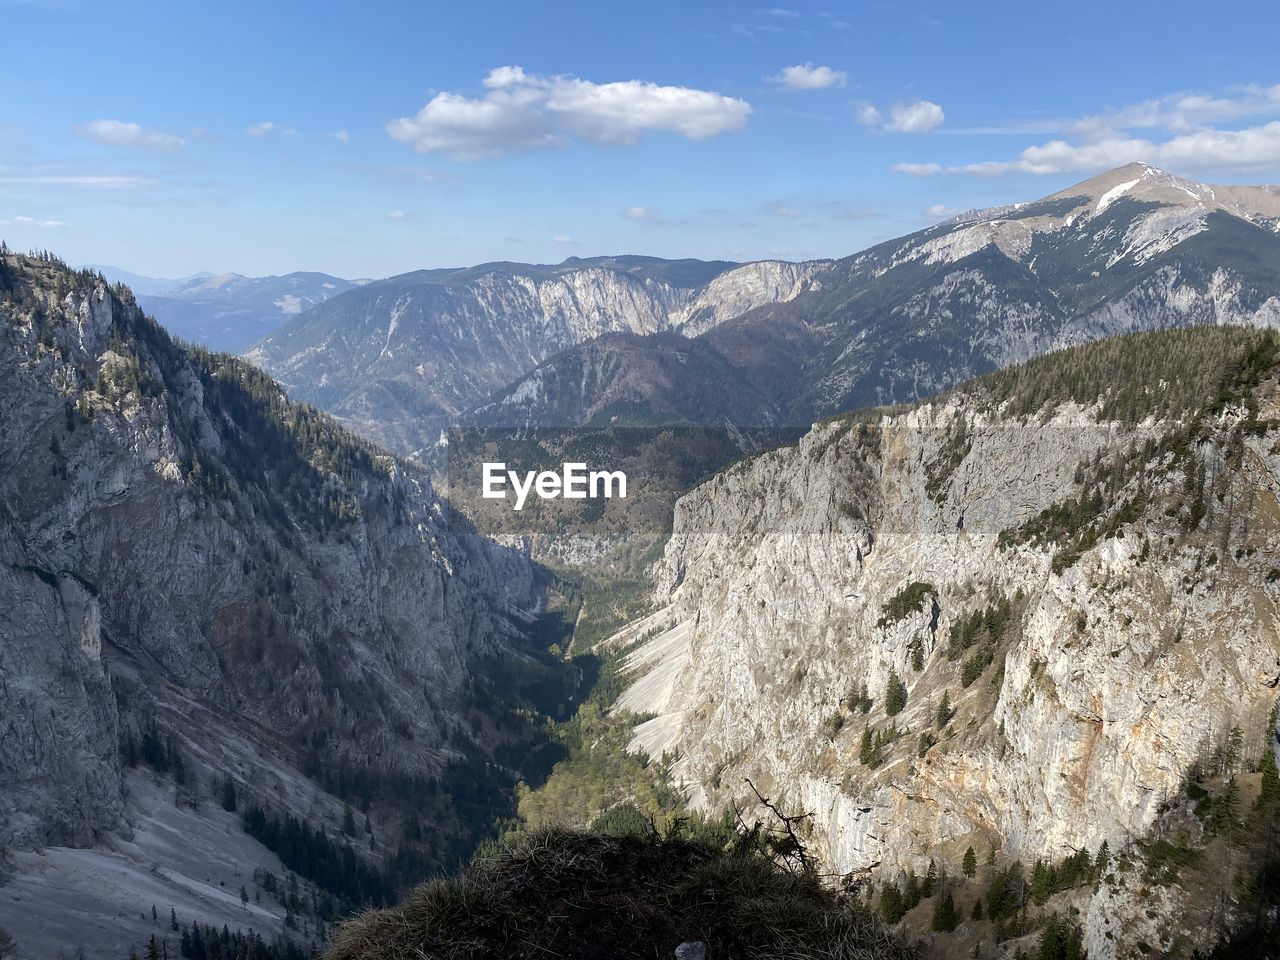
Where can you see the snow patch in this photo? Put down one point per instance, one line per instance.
(1114, 194)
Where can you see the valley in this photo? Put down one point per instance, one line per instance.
(961, 548)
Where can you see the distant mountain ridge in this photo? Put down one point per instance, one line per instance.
(1134, 248)
(230, 311)
(399, 359)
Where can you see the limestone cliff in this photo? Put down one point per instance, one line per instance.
(185, 553)
(1080, 553)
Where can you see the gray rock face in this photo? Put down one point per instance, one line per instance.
(171, 547)
(1124, 668)
(400, 358)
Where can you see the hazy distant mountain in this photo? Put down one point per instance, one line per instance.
(229, 312)
(144, 286)
(400, 357)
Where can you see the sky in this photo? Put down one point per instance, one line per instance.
(369, 139)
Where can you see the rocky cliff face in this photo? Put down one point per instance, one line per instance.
(184, 551)
(400, 358)
(1089, 579)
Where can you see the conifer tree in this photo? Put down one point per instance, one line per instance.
(944, 710)
(945, 915)
(895, 695)
(969, 866)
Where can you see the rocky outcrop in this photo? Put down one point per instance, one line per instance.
(1121, 657)
(177, 540)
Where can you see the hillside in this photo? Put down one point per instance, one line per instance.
(400, 359)
(227, 620)
(230, 312)
(1034, 617)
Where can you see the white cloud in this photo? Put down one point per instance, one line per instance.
(1176, 131)
(562, 238)
(261, 129)
(868, 115)
(806, 76)
(30, 222)
(523, 111)
(779, 210)
(1253, 148)
(782, 12)
(342, 136)
(117, 133)
(643, 214)
(397, 215)
(918, 117)
(917, 169)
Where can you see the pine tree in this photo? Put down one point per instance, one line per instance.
(969, 866)
(153, 949)
(976, 913)
(930, 881)
(944, 710)
(1269, 793)
(1041, 883)
(348, 821)
(892, 907)
(173, 919)
(1232, 750)
(1103, 860)
(945, 915)
(917, 654)
(866, 752)
(229, 794)
(895, 695)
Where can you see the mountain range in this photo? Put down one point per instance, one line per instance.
(1135, 248)
(1001, 625)
(229, 311)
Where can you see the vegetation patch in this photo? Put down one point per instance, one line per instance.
(630, 897)
(910, 599)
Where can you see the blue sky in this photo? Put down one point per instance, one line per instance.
(370, 139)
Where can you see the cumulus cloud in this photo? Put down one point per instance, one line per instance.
(806, 76)
(342, 136)
(117, 133)
(1253, 148)
(1184, 131)
(917, 169)
(918, 117)
(562, 238)
(261, 129)
(397, 215)
(522, 111)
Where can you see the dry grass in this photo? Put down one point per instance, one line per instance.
(584, 896)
